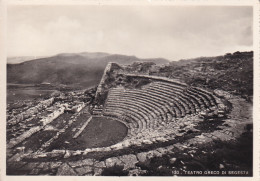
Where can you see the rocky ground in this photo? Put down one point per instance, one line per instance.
(169, 158)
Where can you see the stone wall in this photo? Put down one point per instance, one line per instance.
(13, 142)
(157, 78)
(102, 81)
(31, 111)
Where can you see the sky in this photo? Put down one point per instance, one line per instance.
(171, 32)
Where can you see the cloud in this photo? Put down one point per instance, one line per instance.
(162, 31)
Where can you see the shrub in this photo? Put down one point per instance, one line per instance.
(116, 170)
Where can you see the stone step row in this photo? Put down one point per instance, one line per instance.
(180, 104)
(207, 96)
(155, 100)
(182, 93)
(121, 101)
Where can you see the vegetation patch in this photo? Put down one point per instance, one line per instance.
(116, 170)
(208, 126)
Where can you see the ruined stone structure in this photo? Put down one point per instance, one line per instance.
(102, 81)
(161, 115)
(155, 105)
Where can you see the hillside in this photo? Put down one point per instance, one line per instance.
(84, 69)
(15, 60)
(231, 72)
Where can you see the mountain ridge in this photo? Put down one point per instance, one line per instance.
(69, 68)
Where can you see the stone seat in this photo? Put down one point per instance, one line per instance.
(131, 98)
(181, 95)
(137, 110)
(132, 128)
(159, 99)
(136, 96)
(150, 115)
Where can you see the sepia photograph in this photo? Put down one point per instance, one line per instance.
(120, 90)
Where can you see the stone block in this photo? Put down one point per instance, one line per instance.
(136, 172)
(98, 171)
(31, 166)
(84, 170)
(110, 162)
(55, 164)
(43, 165)
(81, 163)
(88, 162)
(173, 160)
(157, 153)
(129, 160)
(100, 164)
(65, 169)
(142, 156)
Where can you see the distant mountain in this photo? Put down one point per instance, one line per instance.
(83, 69)
(15, 60)
(87, 54)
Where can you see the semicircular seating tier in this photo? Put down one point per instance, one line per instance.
(156, 104)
